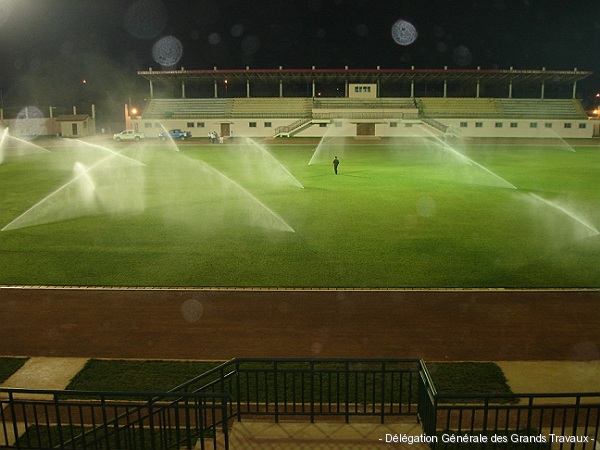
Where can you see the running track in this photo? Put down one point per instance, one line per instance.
(486, 325)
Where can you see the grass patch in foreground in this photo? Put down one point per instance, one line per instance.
(8, 366)
(43, 436)
(469, 378)
(158, 376)
(136, 376)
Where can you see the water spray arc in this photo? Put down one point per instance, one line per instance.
(169, 139)
(31, 147)
(93, 189)
(576, 218)
(265, 217)
(80, 179)
(106, 149)
(269, 166)
(465, 159)
(4, 133)
(324, 150)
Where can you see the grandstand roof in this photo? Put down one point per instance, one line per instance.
(368, 75)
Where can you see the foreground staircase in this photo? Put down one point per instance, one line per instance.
(322, 436)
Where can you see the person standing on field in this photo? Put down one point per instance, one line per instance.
(336, 163)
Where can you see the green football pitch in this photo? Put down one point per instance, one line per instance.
(399, 214)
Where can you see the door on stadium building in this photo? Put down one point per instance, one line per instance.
(74, 129)
(365, 129)
(225, 129)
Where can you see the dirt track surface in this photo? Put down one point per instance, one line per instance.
(221, 324)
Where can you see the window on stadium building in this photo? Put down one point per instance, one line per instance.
(200, 124)
(548, 125)
(267, 124)
(499, 124)
(393, 124)
(252, 124)
(533, 125)
(322, 125)
(568, 125)
(583, 125)
(478, 124)
(464, 124)
(514, 124)
(190, 125)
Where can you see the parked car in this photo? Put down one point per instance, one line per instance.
(175, 134)
(129, 135)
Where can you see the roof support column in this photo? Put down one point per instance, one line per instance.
(247, 84)
(378, 69)
(478, 88)
(575, 85)
(542, 93)
(151, 85)
(280, 84)
(346, 86)
(216, 90)
(182, 89)
(445, 84)
(412, 85)
(543, 89)
(313, 84)
(510, 86)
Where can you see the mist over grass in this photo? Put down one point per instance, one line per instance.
(395, 216)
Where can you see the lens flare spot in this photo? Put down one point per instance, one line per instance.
(167, 51)
(404, 32)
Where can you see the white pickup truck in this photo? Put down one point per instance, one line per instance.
(129, 135)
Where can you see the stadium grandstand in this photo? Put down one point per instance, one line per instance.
(275, 103)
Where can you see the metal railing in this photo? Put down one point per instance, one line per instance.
(515, 421)
(286, 129)
(36, 419)
(314, 387)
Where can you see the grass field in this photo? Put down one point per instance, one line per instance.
(400, 214)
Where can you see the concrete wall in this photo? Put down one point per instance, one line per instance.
(383, 128)
(27, 128)
(523, 128)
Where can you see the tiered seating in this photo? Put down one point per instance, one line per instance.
(275, 107)
(371, 103)
(512, 108)
(186, 108)
(458, 107)
(541, 108)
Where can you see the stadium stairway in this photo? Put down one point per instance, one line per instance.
(247, 435)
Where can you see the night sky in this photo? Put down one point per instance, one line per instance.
(49, 47)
